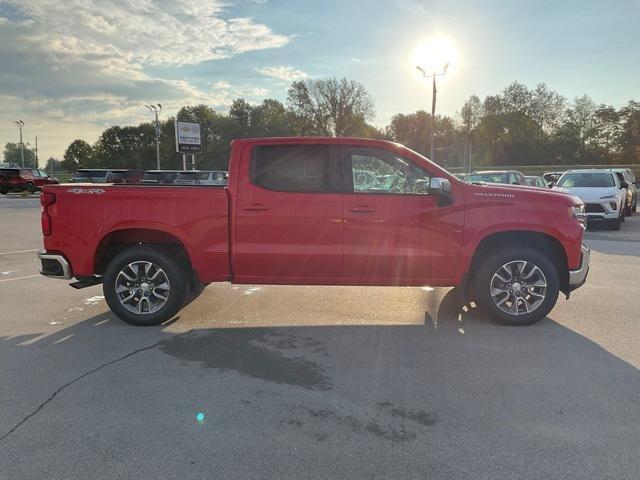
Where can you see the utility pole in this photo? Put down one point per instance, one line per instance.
(155, 109)
(433, 103)
(37, 166)
(20, 124)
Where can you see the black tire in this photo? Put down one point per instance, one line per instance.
(485, 273)
(176, 275)
(30, 188)
(615, 224)
(4, 191)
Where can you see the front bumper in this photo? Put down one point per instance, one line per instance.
(579, 276)
(54, 265)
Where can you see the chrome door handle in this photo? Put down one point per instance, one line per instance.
(362, 209)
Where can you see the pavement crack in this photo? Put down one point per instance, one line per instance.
(71, 382)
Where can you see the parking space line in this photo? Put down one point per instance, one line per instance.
(19, 278)
(18, 251)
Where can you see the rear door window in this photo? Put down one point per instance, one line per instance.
(294, 168)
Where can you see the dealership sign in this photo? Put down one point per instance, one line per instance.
(188, 137)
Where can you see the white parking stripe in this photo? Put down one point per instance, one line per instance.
(19, 278)
(18, 251)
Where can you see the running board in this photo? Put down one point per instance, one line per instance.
(86, 282)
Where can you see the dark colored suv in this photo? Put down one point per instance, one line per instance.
(87, 175)
(159, 177)
(124, 176)
(23, 179)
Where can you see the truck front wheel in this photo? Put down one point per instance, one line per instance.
(143, 286)
(518, 286)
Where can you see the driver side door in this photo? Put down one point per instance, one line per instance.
(395, 232)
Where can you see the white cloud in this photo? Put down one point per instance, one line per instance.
(88, 62)
(288, 74)
(164, 32)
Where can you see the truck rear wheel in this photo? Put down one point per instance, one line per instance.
(518, 286)
(143, 286)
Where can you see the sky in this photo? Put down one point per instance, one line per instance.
(71, 68)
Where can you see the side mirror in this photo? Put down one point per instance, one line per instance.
(551, 184)
(624, 185)
(439, 186)
(442, 188)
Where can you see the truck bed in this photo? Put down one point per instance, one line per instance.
(194, 216)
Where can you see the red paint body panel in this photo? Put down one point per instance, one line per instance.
(197, 217)
(248, 234)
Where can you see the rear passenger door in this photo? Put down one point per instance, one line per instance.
(288, 215)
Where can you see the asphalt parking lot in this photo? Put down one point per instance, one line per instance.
(307, 382)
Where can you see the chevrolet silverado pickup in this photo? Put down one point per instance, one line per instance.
(317, 211)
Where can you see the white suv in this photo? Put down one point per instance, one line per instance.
(600, 191)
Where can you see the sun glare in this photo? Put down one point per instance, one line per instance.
(433, 54)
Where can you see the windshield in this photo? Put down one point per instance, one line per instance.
(487, 177)
(587, 179)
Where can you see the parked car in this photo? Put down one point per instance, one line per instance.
(24, 179)
(199, 177)
(535, 181)
(627, 181)
(293, 213)
(159, 177)
(509, 177)
(552, 177)
(124, 176)
(90, 175)
(601, 192)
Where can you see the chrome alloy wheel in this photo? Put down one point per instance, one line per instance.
(142, 287)
(518, 287)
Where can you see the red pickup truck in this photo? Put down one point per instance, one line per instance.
(317, 211)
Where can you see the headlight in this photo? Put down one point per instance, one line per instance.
(577, 213)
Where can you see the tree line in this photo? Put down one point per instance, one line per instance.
(517, 126)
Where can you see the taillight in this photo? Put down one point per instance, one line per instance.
(46, 200)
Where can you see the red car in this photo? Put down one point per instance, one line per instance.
(24, 179)
(302, 211)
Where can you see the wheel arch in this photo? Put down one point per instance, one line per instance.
(118, 240)
(543, 242)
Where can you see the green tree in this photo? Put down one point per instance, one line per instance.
(78, 154)
(126, 147)
(629, 140)
(12, 154)
(329, 107)
(53, 165)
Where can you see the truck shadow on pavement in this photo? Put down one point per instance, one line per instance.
(457, 386)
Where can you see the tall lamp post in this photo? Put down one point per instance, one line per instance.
(433, 75)
(155, 109)
(20, 124)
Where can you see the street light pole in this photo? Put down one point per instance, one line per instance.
(155, 109)
(433, 103)
(20, 124)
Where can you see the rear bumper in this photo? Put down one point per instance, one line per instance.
(54, 265)
(579, 276)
